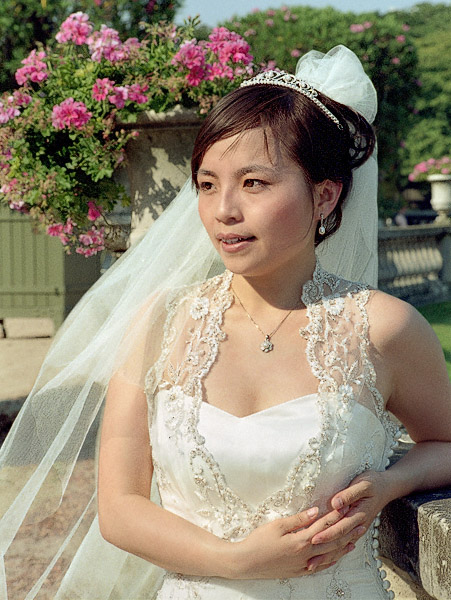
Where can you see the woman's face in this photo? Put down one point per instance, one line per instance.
(256, 205)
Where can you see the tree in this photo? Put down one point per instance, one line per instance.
(428, 135)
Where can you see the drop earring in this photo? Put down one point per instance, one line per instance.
(322, 229)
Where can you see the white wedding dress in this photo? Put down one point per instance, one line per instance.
(229, 475)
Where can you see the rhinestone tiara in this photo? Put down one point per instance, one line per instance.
(284, 79)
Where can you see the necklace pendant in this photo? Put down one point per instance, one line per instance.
(267, 345)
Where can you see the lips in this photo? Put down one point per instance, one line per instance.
(233, 238)
(234, 242)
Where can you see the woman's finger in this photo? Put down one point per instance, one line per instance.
(298, 521)
(356, 491)
(327, 521)
(338, 531)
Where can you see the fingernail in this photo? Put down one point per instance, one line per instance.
(350, 547)
(360, 530)
(337, 503)
(343, 510)
(312, 512)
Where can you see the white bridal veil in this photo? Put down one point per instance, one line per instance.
(49, 451)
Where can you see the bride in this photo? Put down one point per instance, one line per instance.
(258, 397)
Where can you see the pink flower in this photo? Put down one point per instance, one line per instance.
(249, 32)
(119, 97)
(218, 70)
(55, 230)
(102, 88)
(92, 241)
(255, 10)
(76, 28)
(107, 44)
(70, 114)
(9, 187)
(401, 38)
(18, 205)
(190, 55)
(135, 93)
(405, 27)
(445, 171)
(269, 66)
(69, 226)
(295, 53)
(229, 46)
(287, 16)
(21, 99)
(367, 24)
(34, 70)
(396, 60)
(418, 82)
(195, 76)
(93, 212)
(356, 28)
(269, 22)
(8, 112)
(270, 12)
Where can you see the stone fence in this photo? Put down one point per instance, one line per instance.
(415, 263)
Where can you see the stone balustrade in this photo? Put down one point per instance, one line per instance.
(415, 262)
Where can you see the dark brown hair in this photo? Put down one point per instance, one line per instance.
(309, 138)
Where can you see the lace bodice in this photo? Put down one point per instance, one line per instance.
(229, 474)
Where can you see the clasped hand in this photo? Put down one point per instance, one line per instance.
(303, 543)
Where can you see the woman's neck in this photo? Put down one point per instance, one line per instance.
(281, 289)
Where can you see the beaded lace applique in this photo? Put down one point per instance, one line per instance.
(337, 340)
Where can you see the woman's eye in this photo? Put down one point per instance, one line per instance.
(205, 186)
(254, 183)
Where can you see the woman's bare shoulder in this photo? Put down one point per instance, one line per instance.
(394, 322)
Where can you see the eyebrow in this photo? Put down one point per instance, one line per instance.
(241, 172)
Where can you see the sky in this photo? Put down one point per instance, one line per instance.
(214, 11)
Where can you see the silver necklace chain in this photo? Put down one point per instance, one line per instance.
(266, 345)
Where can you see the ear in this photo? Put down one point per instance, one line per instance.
(325, 197)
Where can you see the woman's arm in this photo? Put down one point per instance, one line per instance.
(129, 520)
(419, 394)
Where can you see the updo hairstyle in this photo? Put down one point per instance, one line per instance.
(312, 140)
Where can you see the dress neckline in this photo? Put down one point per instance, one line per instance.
(263, 411)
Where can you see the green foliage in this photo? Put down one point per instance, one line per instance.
(439, 317)
(428, 136)
(24, 23)
(126, 16)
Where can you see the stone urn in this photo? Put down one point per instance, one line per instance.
(441, 197)
(158, 163)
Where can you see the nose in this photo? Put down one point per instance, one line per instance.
(228, 206)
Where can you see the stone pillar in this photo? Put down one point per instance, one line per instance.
(158, 163)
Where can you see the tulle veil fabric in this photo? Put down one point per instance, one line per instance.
(119, 322)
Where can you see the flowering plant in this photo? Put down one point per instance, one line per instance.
(60, 133)
(432, 166)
